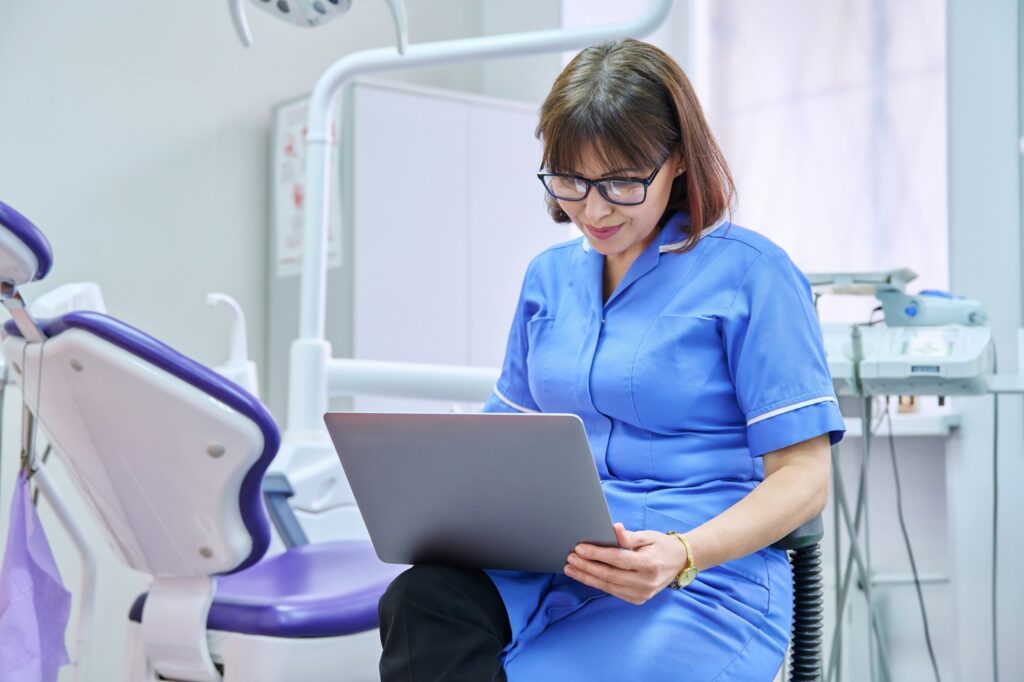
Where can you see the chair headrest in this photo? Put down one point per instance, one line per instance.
(25, 254)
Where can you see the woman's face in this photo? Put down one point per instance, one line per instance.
(620, 233)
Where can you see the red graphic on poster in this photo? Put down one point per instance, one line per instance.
(291, 132)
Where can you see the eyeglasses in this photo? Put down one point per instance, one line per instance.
(621, 191)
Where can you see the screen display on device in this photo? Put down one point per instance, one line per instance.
(928, 344)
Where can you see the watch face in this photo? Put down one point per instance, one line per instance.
(688, 576)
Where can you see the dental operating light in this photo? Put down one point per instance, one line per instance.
(311, 13)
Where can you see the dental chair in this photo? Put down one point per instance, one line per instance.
(170, 458)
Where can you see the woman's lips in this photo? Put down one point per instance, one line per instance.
(603, 233)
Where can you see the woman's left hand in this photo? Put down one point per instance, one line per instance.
(642, 566)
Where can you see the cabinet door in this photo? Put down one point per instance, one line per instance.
(411, 243)
(508, 221)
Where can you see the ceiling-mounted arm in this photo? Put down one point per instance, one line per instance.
(310, 354)
(240, 22)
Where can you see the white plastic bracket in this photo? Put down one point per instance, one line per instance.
(174, 628)
(1010, 384)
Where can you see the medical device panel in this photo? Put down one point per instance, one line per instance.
(930, 308)
(946, 360)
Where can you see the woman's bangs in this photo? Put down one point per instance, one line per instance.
(613, 144)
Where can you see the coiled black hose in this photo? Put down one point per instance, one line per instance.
(808, 606)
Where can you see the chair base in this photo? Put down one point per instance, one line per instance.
(256, 658)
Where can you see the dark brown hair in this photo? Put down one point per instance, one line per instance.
(631, 104)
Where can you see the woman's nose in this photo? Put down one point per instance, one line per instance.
(596, 207)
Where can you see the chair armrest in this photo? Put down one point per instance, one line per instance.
(806, 535)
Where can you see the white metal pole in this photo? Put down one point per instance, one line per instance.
(411, 380)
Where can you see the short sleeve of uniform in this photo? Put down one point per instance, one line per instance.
(777, 358)
(512, 391)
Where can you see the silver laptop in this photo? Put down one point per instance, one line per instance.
(502, 491)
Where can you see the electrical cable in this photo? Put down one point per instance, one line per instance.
(906, 541)
(995, 524)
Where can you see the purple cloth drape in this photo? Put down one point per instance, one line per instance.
(34, 605)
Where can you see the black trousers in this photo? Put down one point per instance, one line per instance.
(442, 623)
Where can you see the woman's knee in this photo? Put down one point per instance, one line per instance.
(441, 589)
(423, 585)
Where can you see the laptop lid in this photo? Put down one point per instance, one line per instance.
(499, 491)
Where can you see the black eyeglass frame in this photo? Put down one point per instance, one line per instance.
(646, 182)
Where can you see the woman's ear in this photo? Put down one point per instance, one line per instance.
(679, 164)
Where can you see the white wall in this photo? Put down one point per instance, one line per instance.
(136, 138)
(527, 79)
(832, 118)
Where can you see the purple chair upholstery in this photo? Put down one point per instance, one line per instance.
(30, 235)
(320, 590)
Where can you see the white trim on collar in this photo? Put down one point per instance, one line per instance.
(703, 233)
(501, 396)
(669, 247)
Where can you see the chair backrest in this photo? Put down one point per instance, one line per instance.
(169, 455)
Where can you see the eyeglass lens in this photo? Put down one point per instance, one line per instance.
(619, 191)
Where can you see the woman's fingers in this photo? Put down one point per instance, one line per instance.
(624, 559)
(638, 570)
(626, 539)
(632, 585)
(600, 570)
(621, 591)
(633, 539)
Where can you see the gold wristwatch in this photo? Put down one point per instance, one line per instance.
(689, 571)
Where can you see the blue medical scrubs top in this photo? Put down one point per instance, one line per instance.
(697, 365)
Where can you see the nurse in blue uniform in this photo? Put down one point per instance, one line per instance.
(690, 348)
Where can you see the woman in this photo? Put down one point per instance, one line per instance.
(690, 349)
